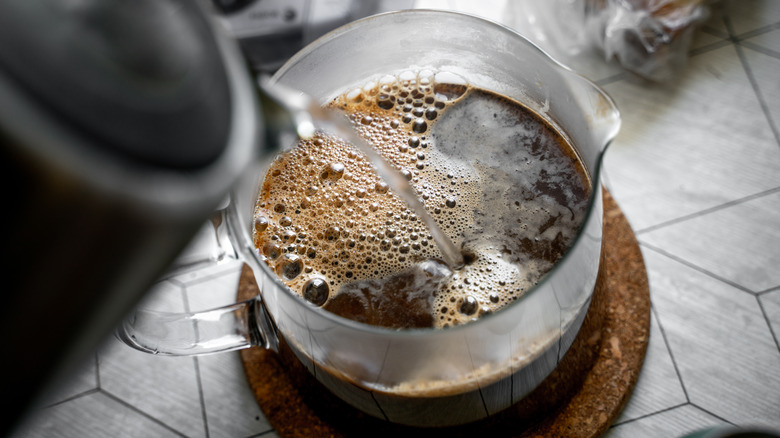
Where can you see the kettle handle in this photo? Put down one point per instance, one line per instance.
(227, 328)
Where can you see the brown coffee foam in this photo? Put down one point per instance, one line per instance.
(324, 218)
(581, 397)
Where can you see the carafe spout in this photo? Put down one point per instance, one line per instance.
(601, 112)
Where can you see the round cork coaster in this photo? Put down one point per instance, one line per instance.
(580, 398)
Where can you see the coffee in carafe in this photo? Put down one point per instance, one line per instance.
(505, 186)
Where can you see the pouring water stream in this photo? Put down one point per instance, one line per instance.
(308, 116)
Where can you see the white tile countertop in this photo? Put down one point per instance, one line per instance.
(695, 169)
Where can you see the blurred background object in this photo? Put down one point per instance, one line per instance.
(650, 38)
(271, 31)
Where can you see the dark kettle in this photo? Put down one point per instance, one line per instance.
(123, 124)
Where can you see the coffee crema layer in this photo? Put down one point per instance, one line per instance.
(503, 184)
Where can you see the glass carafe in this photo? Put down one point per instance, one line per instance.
(425, 377)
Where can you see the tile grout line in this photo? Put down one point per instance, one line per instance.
(144, 414)
(201, 396)
(708, 412)
(224, 271)
(729, 35)
(730, 283)
(671, 354)
(196, 365)
(753, 83)
(755, 32)
(768, 322)
(709, 47)
(760, 49)
(73, 397)
(696, 268)
(651, 414)
(770, 290)
(714, 32)
(175, 281)
(709, 210)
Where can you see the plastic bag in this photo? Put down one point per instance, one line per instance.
(648, 37)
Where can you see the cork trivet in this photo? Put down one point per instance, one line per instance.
(580, 398)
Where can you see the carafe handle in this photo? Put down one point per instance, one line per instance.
(232, 327)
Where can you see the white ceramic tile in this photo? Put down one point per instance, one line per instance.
(231, 408)
(165, 388)
(164, 296)
(765, 70)
(203, 246)
(658, 387)
(206, 273)
(727, 244)
(197, 262)
(93, 416)
(218, 289)
(690, 147)
(771, 303)
(769, 41)
(673, 423)
(748, 15)
(703, 39)
(719, 339)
